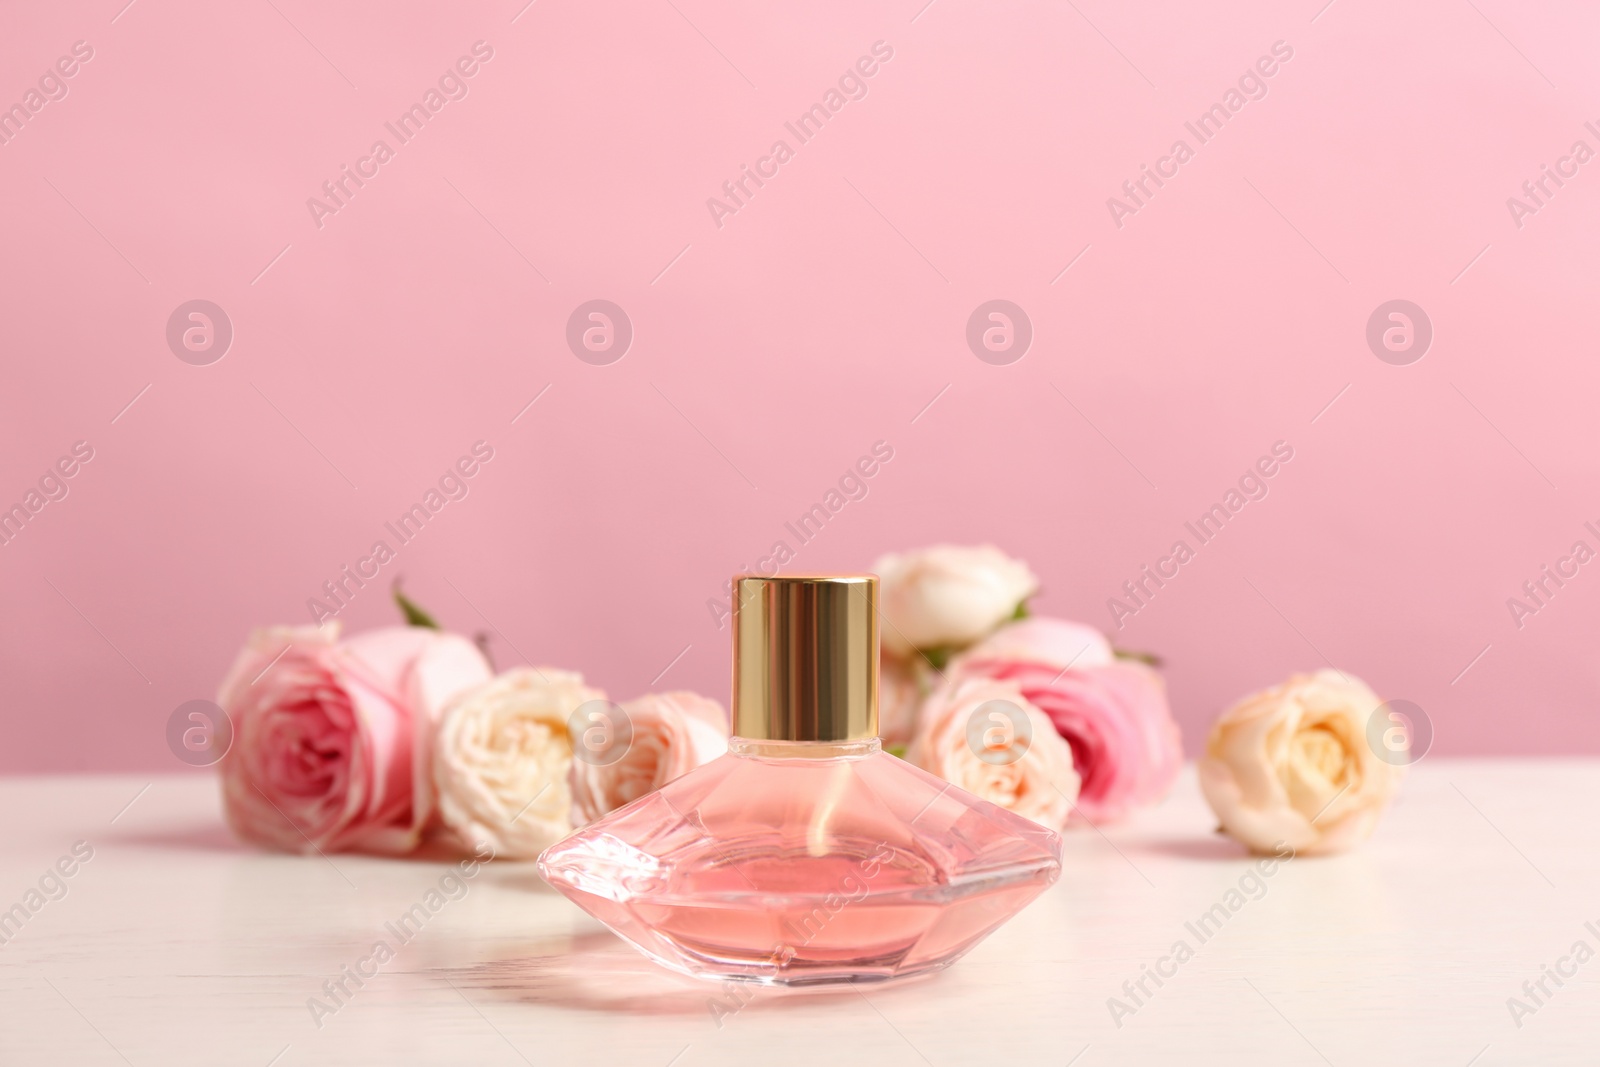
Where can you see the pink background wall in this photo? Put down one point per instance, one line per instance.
(820, 318)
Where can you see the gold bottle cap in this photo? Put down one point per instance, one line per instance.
(805, 658)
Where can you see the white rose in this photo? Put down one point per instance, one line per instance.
(1035, 779)
(948, 597)
(672, 734)
(901, 686)
(1292, 764)
(501, 757)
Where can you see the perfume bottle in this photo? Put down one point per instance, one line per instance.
(806, 854)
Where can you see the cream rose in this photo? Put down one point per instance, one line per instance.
(672, 734)
(501, 757)
(1034, 779)
(1292, 764)
(946, 597)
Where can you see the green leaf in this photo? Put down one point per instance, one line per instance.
(1021, 612)
(481, 639)
(1149, 659)
(896, 750)
(939, 657)
(414, 615)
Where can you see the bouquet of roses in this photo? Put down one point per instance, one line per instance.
(378, 741)
(375, 742)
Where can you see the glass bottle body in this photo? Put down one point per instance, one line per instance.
(801, 863)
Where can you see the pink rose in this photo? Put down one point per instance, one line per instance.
(331, 738)
(673, 733)
(1114, 713)
(1048, 642)
(986, 752)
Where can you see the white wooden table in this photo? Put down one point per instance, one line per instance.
(174, 945)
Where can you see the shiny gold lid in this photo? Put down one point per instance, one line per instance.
(805, 658)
